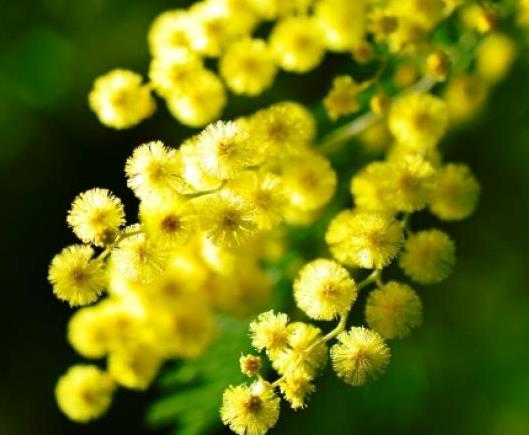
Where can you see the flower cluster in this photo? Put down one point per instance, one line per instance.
(214, 209)
(209, 213)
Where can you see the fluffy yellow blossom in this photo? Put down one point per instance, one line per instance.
(456, 194)
(84, 393)
(380, 103)
(438, 65)
(250, 410)
(309, 181)
(202, 102)
(250, 365)
(418, 120)
(405, 74)
(193, 174)
(227, 220)
(171, 221)
(224, 149)
(496, 54)
(139, 258)
(412, 182)
(370, 187)
(342, 22)
(174, 74)
(271, 9)
(382, 22)
(264, 192)
(282, 129)
(248, 67)
(95, 216)
(154, 171)
(465, 95)
(135, 366)
(324, 290)
(428, 256)
(296, 389)
(269, 332)
(76, 277)
(120, 100)
(359, 355)
(363, 52)
(522, 13)
(393, 310)
(342, 99)
(304, 355)
(479, 18)
(365, 239)
(297, 44)
(424, 13)
(169, 34)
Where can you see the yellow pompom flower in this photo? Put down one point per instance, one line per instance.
(271, 9)
(120, 100)
(264, 192)
(250, 410)
(428, 257)
(381, 22)
(342, 23)
(136, 365)
(309, 181)
(456, 194)
(412, 183)
(192, 172)
(302, 356)
(423, 13)
(296, 389)
(248, 67)
(250, 365)
(464, 96)
(154, 171)
(365, 239)
(87, 332)
(393, 310)
(269, 332)
(438, 65)
(171, 221)
(370, 187)
(224, 149)
(76, 277)
(95, 216)
(324, 290)
(282, 129)
(138, 258)
(359, 355)
(169, 34)
(174, 74)
(84, 393)
(297, 44)
(202, 102)
(495, 56)
(418, 120)
(227, 220)
(342, 99)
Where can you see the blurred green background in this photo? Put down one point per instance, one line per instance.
(466, 371)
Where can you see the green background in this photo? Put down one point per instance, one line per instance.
(466, 371)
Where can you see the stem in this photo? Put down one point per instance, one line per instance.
(123, 234)
(337, 137)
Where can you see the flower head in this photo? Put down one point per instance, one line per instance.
(342, 99)
(296, 389)
(269, 332)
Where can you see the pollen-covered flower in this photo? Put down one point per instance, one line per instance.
(423, 13)
(297, 44)
(227, 220)
(175, 73)
(202, 102)
(495, 56)
(135, 366)
(250, 365)
(428, 256)
(296, 389)
(154, 171)
(393, 310)
(456, 194)
(324, 290)
(171, 221)
(342, 99)
(365, 239)
(76, 277)
(95, 216)
(370, 187)
(84, 393)
(248, 67)
(306, 353)
(359, 355)
(342, 23)
(271, 9)
(309, 181)
(169, 34)
(464, 96)
(250, 410)
(418, 120)
(120, 100)
(269, 332)
(224, 149)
